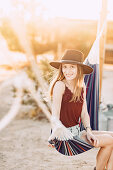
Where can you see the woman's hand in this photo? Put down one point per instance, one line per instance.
(59, 131)
(92, 138)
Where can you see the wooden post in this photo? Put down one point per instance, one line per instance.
(103, 18)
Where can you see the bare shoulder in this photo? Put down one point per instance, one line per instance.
(59, 87)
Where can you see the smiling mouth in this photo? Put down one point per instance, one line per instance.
(69, 75)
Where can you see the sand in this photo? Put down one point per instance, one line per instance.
(24, 146)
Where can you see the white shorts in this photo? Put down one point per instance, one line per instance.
(75, 130)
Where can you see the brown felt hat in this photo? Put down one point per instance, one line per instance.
(73, 57)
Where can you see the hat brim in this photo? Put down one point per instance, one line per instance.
(86, 69)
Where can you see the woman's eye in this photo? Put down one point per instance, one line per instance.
(72, 66)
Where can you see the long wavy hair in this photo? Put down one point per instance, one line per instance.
(59, 76)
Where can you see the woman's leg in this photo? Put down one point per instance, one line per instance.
(96, 132)
(106, 146)
(109, 164)
(103, 157)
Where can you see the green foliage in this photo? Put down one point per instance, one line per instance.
(10, 36)
(32, 76)
(47, 70)
(46, 36)
(30, 73)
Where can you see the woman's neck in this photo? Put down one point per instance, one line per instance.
(70, 83)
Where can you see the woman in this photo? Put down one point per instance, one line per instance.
(68, 93)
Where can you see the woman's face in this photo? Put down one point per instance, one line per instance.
(69, 71)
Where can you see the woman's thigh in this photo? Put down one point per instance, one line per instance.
(103, 137)
(97, 132)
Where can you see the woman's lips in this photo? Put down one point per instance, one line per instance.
(68, 75)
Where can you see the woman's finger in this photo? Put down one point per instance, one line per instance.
(96, 142)
(89, 140)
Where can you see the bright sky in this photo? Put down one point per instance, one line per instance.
(75, 9)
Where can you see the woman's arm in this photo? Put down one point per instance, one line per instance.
(84, 115)
(58, 91)
(86, 121)
(59, 131)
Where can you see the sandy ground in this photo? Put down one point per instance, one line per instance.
(24, 146)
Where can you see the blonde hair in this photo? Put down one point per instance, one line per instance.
(58, 76)
(78, 85)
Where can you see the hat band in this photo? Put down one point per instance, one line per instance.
(70, 61)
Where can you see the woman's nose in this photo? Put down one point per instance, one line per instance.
(68, 70)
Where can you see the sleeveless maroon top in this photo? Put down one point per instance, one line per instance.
(70, 111)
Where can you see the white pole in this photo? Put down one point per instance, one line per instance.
(102, 21)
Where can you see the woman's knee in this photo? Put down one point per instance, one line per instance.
(107, 148)
(104, 141)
